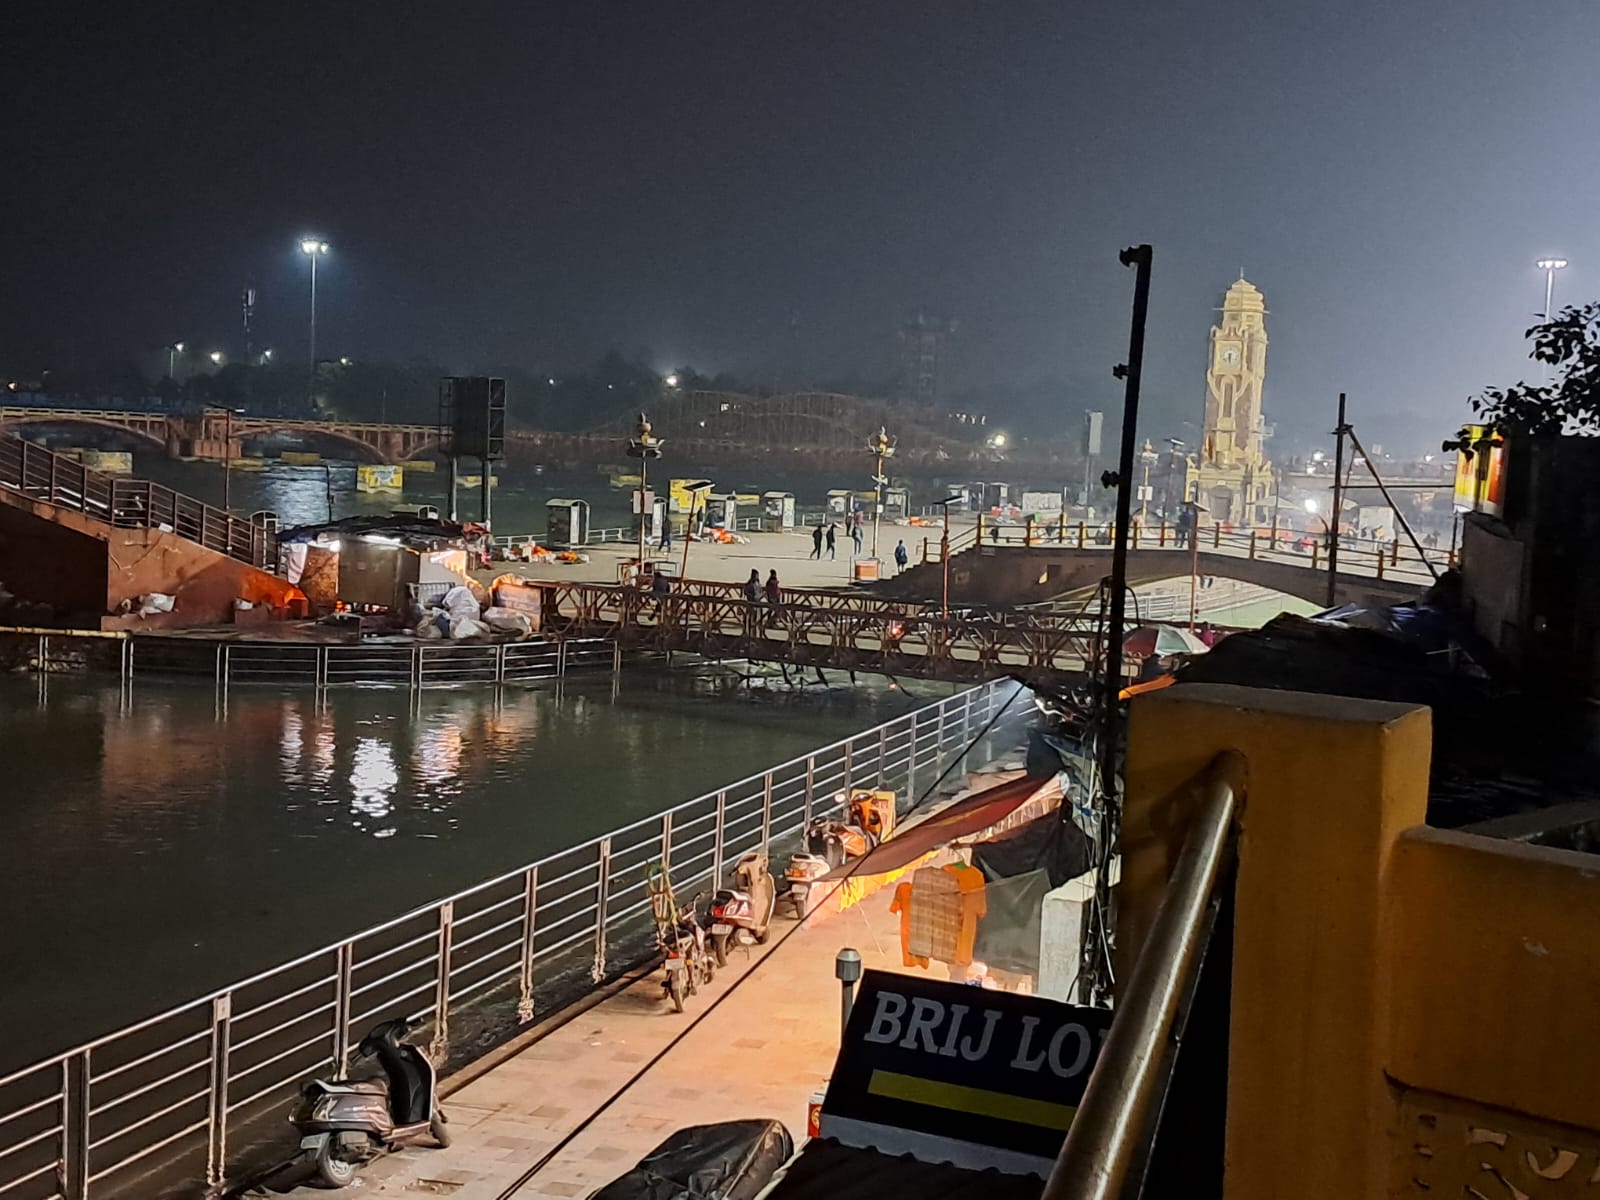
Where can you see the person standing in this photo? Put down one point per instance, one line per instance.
(816, 542)
(752, 586)
(774, 589)
(666, 533)
(900, 556)
(832, 531)
(855, 536)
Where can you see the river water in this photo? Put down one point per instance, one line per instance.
(155, 851)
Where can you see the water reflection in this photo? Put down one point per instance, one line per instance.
(170, 847)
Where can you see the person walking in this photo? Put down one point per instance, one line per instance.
(900, 556)
(816, 542)
(855, 536)
(832, 531)
(666, 533)
(752, 586)
(774, 588)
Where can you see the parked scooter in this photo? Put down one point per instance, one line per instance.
(346, 1122)
(682, 940)
(743, 913)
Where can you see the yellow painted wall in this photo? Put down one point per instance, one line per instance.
(1330, 785)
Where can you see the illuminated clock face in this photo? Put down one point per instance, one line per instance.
(1228, 356)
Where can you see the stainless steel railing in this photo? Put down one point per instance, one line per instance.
(197, 1091)
(1113, 1120)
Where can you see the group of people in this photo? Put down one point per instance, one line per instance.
(825, 537)
(755, 591)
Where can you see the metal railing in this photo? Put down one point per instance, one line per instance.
(1120, 1106)
(1358, 556)
(199, 1091)
(43, 475)
(613, 533)
(885, 637)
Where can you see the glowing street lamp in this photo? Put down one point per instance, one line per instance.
(172, 359)
(672, 381)
(216, 358)
(313, 248)
(1549, 266)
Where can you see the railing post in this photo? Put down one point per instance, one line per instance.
(561, 659)
(1216, 535)
(76, 1073)
(883, 751)
(718, 840)
(1380, 562)
(499, 657)
(766, 812)
(530, 910)
(602, 888)
(1080, 534)
(217, 1104)
(441, 990)
(416, 667)
(1394, 557)
(911, 760)
(1316, 553)
(848, 764)
(341, 1007)
(1161, 537)
(1252, 545)
(811, 779)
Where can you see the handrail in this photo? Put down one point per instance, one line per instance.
(1105, 1136)
(43, 475)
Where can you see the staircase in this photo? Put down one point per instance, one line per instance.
(32, 473)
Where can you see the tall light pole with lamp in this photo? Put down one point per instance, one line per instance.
(1148, 457)
(1549, 266)
(313, 248)
(644, 446)
(881, 445)
(172, 360)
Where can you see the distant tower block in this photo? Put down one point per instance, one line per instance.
(924, 345)
(1230, 473)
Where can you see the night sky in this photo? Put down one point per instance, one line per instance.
(761, 186)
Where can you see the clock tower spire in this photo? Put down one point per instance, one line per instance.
(1230, 474)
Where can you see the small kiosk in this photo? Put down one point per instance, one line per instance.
(777, 514)
(896, 504)
(839, 502)
(722, 512)
(568, 524)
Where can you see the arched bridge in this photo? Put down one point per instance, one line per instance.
(1016, 564)
(215, 434)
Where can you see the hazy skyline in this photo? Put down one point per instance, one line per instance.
(751, 188)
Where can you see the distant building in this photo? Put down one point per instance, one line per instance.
(924, 343)
(1230, 474)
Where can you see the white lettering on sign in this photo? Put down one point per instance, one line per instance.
(886, 1018)
(1065, 1050)
(925, 1016)
(1027, 1059)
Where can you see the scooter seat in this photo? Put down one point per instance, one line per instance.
(353, 1087)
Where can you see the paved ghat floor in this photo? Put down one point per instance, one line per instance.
(761, 1054)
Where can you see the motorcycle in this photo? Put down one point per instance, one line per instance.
(346, 1122)
(743, 913)
(682, 940)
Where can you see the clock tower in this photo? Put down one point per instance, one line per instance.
(1229, 473)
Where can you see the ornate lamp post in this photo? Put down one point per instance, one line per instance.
(881, 446)
(644, 446)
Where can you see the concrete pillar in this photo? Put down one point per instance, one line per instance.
(1331, 784)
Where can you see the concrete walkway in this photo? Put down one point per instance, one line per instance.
(761, 1054)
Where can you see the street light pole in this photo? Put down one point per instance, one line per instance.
(313, 248)
(172, 360)
(882, 447)
(1549, 266)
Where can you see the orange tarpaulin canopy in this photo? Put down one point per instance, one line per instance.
(962, 819)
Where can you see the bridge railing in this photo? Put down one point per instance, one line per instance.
(892, 639)
(1362, 556)
(199, 1092)
(55, 479)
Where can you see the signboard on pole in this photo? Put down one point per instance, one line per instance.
(1480, 475)
(945, 1072)
(1093, 422)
